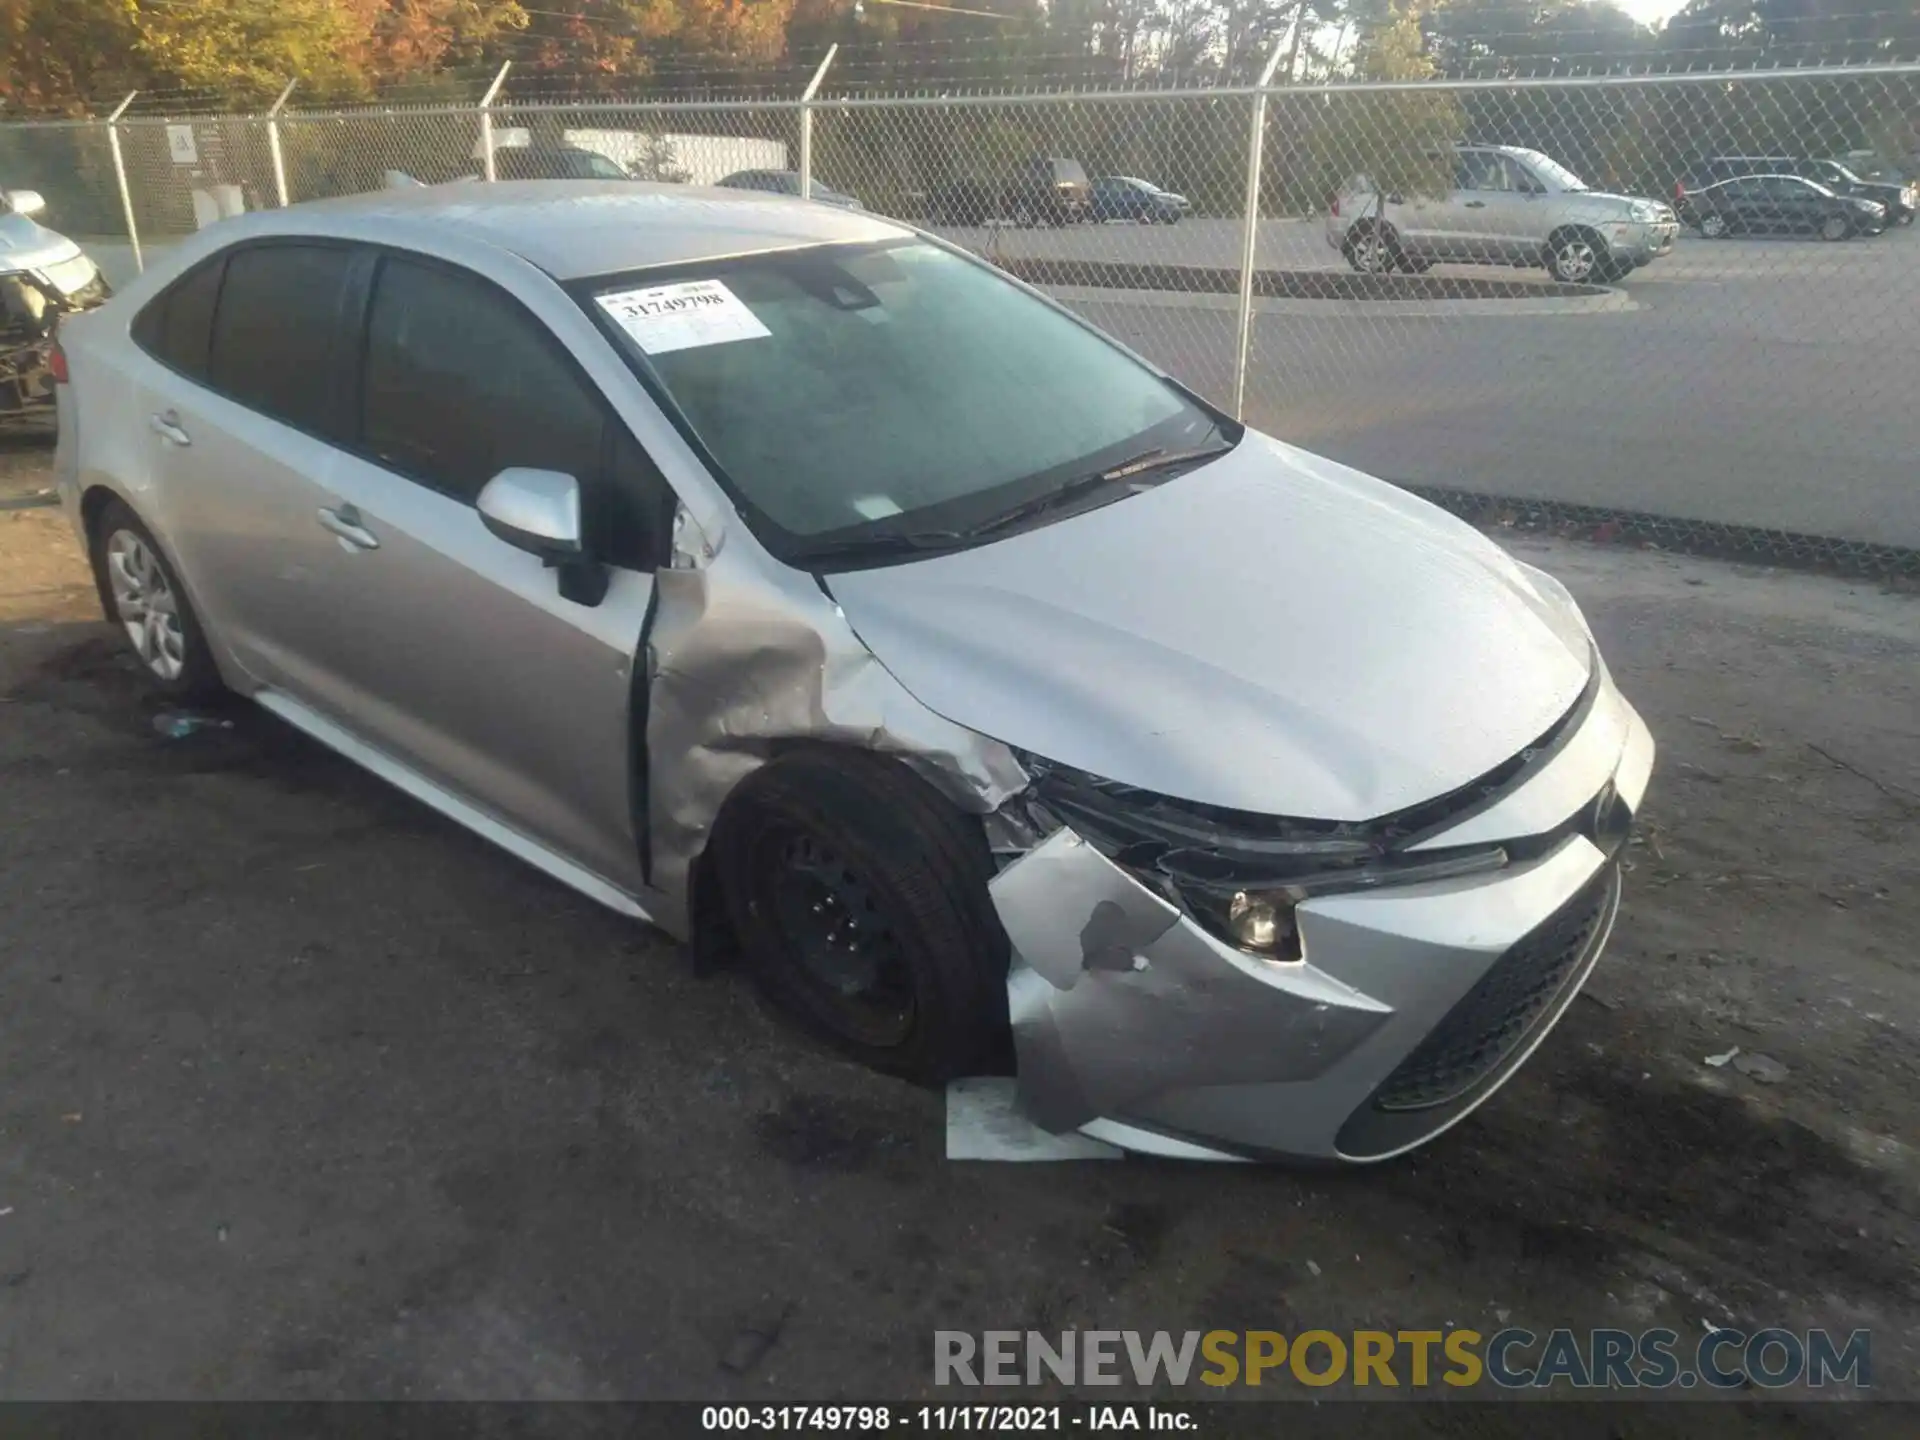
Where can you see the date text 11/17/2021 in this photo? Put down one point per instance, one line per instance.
(945, 1419)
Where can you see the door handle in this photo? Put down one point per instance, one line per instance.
(166, 425)
(1476, 204)
(345, 523)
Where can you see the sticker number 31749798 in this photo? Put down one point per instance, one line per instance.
(664, 318)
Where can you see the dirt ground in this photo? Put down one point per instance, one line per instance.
(305, 1093)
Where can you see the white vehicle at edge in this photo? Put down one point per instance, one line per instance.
(43, 275)
(782, 575)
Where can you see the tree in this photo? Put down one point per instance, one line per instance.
(1400, 141)
(61, 53)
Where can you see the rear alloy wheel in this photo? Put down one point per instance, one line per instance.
(1574, 257)
(141, 594)
(1714, 227)
(1024, 217)
(858, 896)
(1370, 248)
(1835, 227)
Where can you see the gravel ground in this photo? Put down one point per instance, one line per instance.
(306, 1094)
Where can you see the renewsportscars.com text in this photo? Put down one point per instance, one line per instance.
(1513, 1358)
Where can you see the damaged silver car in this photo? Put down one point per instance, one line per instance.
(797, 582)
(43, 276)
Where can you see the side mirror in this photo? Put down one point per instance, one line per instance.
(534, 510)
(26, 202)
(539, 511)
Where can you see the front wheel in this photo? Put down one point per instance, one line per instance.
(1575, 257)
(859, 897)
(142, 595)
(1836, 227)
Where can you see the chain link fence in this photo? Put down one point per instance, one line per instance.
(1684, 298)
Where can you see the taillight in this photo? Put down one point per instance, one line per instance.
(57, 364)
(1336, 207)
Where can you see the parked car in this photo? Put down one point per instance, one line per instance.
(1125, 197)
(1508, 206)
(555, 162)
(43, 277)
(822, 595)
(1898, 196)
(1779, 205)
(787, 182)
(1043, 190)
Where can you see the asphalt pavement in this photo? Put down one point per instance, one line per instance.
(1752, 382)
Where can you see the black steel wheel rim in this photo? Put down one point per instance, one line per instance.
(841, 952)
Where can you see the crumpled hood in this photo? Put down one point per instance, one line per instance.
(27, 246)
(1272, 632)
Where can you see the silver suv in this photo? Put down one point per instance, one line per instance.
(1508, 206)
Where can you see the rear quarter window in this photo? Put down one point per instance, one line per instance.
(176, 327)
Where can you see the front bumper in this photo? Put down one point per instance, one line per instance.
(1412, 1004)
(1641, 242)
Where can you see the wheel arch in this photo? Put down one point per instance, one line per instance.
(711, 937)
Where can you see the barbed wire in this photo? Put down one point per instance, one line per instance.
(920, 66)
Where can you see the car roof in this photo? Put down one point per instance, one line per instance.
(575, 228)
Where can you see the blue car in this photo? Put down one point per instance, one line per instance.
(1125, 197)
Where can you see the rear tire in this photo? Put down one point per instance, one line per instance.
(142, 595)
(1836, 227)
(859, 898)
(1371, 247)
(1713, 227)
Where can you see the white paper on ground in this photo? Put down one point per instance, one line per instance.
(984, 1123)
(682, 316)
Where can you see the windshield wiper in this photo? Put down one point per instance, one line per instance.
(1146, 462)
(890, 542)
(1161, 459)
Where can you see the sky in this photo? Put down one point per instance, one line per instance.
(1648, 12)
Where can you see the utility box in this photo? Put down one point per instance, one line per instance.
(217, 202)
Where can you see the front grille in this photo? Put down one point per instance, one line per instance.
(1496, 1015)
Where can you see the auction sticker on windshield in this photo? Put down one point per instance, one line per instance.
(683, 316)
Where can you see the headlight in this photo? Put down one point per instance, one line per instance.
(1645, 213)
(1241, 875)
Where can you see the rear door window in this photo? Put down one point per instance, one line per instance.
(274, 330)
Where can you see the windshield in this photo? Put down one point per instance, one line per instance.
(1552, 171)
(855, 392)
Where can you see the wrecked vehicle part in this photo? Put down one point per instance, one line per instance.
(746, 658)
(1407, 1000)
(1195, 1041)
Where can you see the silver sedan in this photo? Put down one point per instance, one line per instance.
(800, 584)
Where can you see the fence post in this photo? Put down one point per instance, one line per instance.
(806, 122)
(1250, 233)
(120, 176)
(486, 120)
(273, 146)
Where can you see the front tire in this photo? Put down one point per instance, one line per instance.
(859, 898)
(1836, 227)
(144, 597)
(1575, 257)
